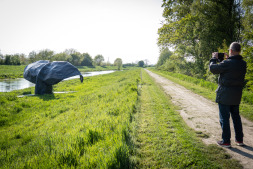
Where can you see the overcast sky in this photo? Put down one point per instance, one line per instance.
(125, 29)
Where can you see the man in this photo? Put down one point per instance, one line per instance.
(229, 92)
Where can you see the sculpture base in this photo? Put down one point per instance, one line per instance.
(42, 88)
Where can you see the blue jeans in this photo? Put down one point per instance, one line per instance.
(225, 111)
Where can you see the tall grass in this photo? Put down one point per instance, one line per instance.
(88, 128)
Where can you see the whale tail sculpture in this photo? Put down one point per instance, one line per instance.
(45, 74)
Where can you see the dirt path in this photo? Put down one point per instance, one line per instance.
(202, 115)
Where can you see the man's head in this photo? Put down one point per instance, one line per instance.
(234, 49)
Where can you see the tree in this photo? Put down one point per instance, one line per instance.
(146, 62)
(15, 60)
(23, 59)
(32, 56)
(118, 63)
(70, 51)
(98, 60)
(45, 54)
(197, 28)
(7, 60)
(76, 58)
(87, 60)
(129, 64)
(164, 55)
(141, 63)
(60, 57)
(247, 40)
(1, 58)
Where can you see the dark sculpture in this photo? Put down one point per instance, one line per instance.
(45, 74)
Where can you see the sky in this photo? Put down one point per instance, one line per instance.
(125, 29)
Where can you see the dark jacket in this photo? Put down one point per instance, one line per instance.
(231, 80)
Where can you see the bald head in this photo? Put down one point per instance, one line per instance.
(235, 49)
(235, 46)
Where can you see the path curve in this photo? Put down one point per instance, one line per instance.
(201, 114)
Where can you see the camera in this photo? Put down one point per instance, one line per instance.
(221, 56)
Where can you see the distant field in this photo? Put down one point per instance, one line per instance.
(11, 71)
(95, 68)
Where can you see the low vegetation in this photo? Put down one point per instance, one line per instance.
(11, 71)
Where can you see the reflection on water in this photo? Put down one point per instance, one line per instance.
(7, 85)
(86, 74)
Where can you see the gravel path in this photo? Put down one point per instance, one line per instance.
(202, 115)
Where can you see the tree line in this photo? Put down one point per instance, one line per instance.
(196, 28)
(71, 55)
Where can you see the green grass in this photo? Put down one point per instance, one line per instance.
(207, 89)
(109, 121)
(88, 128)
(11, 71)
(95, 68)
(163, 140)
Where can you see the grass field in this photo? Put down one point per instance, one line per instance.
(88, 128)
(11, 71)
(109, 121)
(207, 89)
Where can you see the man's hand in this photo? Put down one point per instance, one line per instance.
(226, 55)
(215, 55)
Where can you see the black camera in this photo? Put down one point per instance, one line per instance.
(221, 56)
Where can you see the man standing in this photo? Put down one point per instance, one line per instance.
(229, 92)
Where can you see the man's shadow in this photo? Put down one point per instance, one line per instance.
(242, 152)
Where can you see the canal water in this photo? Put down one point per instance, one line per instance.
(7, 85)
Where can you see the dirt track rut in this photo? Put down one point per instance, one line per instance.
(201, 114)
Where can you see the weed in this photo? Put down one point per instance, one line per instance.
(69, 158)
(17, 109)
(93, 137)
(3, 121)
(202, 135)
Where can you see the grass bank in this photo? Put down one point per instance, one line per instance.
(88, 128)
(163, 140)
(11, 71)
(207, 89)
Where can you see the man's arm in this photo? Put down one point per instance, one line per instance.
(214, 67)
